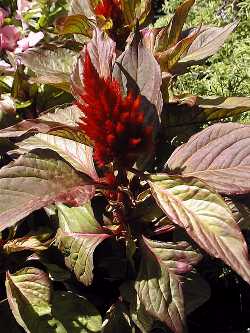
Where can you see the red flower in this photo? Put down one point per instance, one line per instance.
(109, 9)
(113, 123)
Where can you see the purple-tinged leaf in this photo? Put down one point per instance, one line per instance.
(28, 126)
(158, 282)
(199, 109)
(137, 70)
(28, 293)
(68, 115)
(84, 7)
(77, 154)
(34, 181)
(208, 42)
(50, 66)
(192, 205)
(78, 249)
(101, 49)
(219, 155)
(61, 120)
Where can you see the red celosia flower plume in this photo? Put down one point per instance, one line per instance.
(113, 123)
(109, 9)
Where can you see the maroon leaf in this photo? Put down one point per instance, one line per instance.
(137, 70)
(102, 53)
(34, 181)
(219, 155)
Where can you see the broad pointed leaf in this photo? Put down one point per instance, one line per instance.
(135, 10)
(50, 66)
(199, 109)
(78, 249)
(31, 243)
(28, 292)
(77, 154)
(208, 42)
(158, 284)
(84, 7)
(137, 70)
(66, 115)
(101, 49)
(34, 181)
(78, 219)
(167, 59)
(138, 314)
(191, 204)
(58, 120)
(74, 24)
(28, 126)
(219, 155)
(7, 111)
(73, 313)
(36, 311)
(172, 33)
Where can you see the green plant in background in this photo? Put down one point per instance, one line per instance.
(228, 72)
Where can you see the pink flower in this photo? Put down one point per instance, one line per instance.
(3, 14)
(31, 40)
(9, 35)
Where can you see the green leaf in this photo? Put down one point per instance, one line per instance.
(208, 42)
(219, 155)
(117, 320)
(201, 109)
(28, 292)
(35, 181)
(74, 314)
(74, 24)
(158, 283)
(31, 243)
(191, 204)
(78, 249)
(77, 154)
(78, 219)
(50, 66)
